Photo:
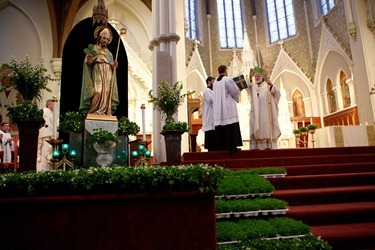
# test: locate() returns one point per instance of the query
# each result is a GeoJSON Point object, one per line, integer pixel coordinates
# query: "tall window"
{"type": "Point", "coordinates": [192, 19]}
{"type": "Point", "coordinates": [230, 23]}
{"type": "Point", "coordinates": [331, 96]}
{"type": "Point", "coordinates": [327, 5]}
{"type": "Point", "coordinates": [281, 23]}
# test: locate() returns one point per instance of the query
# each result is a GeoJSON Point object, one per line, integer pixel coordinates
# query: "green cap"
{"type": "Point", "coordinates": [257, 71]}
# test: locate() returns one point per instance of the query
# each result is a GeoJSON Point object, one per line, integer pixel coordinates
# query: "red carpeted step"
{"type": "Point", "coordinates": [277, 153]}
{"type": "Point", "coordinates": [330, 168]}
{"type": "Point", "coordinates": [311, 196]}
{"type": "Point", "coordinates": [324, 180]}
{"type": "Point", "coordinates": [348, 236]}
{"type": "Point", "coordinates": [235, 163]}
{"type": "Point", "coordinates": [340, 213]}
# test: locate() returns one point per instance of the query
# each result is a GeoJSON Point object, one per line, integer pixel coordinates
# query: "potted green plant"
{"type": "Point", "coordinates": [312, 128]}
{"type": "Point", "coordinates": [303, 130]}
{"type": "Point", "coordinates": [296, 132]}
{"type": "Point", "coordinates": [167, 100]}
{"type": "Point", "coordinates": [71, 126]}
{"type": "Point", "coordinates": [104, 142]}
{"type": "Point", "coordinates": [72, 122]}
{"type": "Point", "coordinates": [127, 127]}
{"type": "Point", "coordinates": [29, 81]}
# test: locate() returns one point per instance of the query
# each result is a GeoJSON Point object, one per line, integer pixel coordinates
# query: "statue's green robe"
{"type": "Point", "coordinates": [99, 94]}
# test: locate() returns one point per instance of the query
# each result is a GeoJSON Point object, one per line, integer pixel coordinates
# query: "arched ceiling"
{"type": "Point", "coordinates": [62, 15]}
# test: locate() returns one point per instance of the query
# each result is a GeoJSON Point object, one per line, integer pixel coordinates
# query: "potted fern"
{"type": "Point", "coordinates": [29, 81]}
{"type": "Point", "coordinates": [167, 100]}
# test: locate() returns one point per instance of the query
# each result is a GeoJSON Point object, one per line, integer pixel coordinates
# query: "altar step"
{"type": "Point", "coordinates": [246, 159]}
{"type": "Point", "coordinates": [330, 189]}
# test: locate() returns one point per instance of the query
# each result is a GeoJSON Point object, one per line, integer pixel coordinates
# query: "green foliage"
{"type": "Point", "coordinates": [111, 180]}
{"type": "Point", "coordinates": [28, 80]}
{"type": "Point", "coordinates": [247, 205]}
{"type": "Point", "coordinates": [271, 203]}
{"type": "Point", "coordinates": [168, 98]}
{"type": "Point", "coordinates": [101, 136]}
{"type": "Point", "coordinates": [260, 171]}
{"type": "Point", "coordinates": [308, 242]}
{"type": "Point", "coordinates": [258, 228]}
{"type": "Point", "coordinates": [287, 226]}
{"type": "Point", "coordinates": [228, 231]}
{"type": "Point", "coordinates": [25, 112]}
{"type": "Point", "coordinates": [296, 131]}
{"type": "Point", "coordinates": [244, 184]}
{"type": "Point", "coordinates": [312, 126]}
{"type": "Point", "coordinates": [303, 129]}
{"type": "Point", "coordinates": [71, 121]}
{"type": "Point", "coordinates": [171, 125]}
{"type": "Point", "coordinates": [126, 127]}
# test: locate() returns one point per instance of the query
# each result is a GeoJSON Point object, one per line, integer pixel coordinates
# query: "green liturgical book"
{"type": "Point", "coordinates": [241, 82]}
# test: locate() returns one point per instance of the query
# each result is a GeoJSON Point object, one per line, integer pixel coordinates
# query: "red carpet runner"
{"type": "Point", "coordinates": [330, 189]}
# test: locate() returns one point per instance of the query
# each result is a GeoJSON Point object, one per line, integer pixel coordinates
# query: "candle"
{"type": "Point", "coordinates": [73, 153]}
{"type": "Point", "coordinates": [310, 120]}
{"type": "Point", "coordinates": [303, 123]}
{"type": "Point", "coordinates": [143, 107]}
{"type": "Point", "coordinates": [65, 148]}
{"type": "Point", "coordinates": [54, 117]}
{"type": "Point", "coordinates": [135, 154]}
{"type": "Point", "coordinates": [55, 154]}
{"type": "Point", "coordinates": [141, 147]}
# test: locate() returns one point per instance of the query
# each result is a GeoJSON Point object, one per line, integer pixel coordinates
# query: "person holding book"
{"type": "Point", "coordinates": [207, 116]}
{"type": "Point", "coordinates": [264, 124]}
{"type": "Point", "coordinates": [225, 96]}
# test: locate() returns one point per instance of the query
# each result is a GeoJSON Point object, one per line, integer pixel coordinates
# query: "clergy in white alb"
{"type": "Point", "coordinates": [45, 133]}
{"type": "Point", "coordinates": [226, 121]}
{"type": "Point", "coordinates": [207, 116]}
{"type": "Point", "coordinates": [6, 143]}
{"type": "Point", "coordinates": [264, 125]}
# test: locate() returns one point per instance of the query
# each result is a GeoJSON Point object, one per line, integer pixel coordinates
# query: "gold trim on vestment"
{"type": "Point", "coordinates": [370, 129]}
{"type": "Point", "coordinates": [339, 138]}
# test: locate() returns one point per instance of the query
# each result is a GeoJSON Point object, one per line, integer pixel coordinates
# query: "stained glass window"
{"type": "Point", "coordinates": [192, 19]}
{"type": "Point", "coordinates": [327, 5]}
{"type": "Point", "coordinates": [281, 23]}
{"type": "Point", "coordinates": [230, 23]}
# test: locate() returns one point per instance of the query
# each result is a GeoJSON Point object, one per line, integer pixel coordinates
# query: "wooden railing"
{"type": "Point", "coordinates": [347, 116]}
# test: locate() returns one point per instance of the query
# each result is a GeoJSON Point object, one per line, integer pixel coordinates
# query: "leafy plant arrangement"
{"type": "Point", "coordinates": [111, 180]}
{"type": "Point", "coordinates": [287, 226]}
{"type": "Point", "coordinates": [258, 228]}
{"type": "Point", "coordinates": [312, 127]}
{"type": "Point", "coordinates": [303, 129]}
{"type": "Point", "coordinates": [245, 205]}
{"type": "Point", "coordinates": [225, 206]}
{"type": "Point", "coordinates": [171, 125]}
{"type": "Point", "coordinates": [25, 112]}
{"type": "Point", "coordinates": [71, 121]}
{"type": "Point", "coordinates": [244, 184]}
{"type": "Point", "coordinates": [101, 136]}
{"type": "Point", "coordinates": [296, 131]}
{"type": "Point", "coordinates": [260, 171]}
{"type": "Point", "coordinates": [168, 98]}
{"type": "Point", "coordinates": [27, 79]}
{"type": "Point", "coordinates": [126, 127]}
{"type": "Point", "coordinates": [306, 243]}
